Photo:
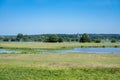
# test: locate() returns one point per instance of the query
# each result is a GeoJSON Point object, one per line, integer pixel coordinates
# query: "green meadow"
{"type": "Point", "coordinates": [67, 66]}
{"type": "Point", "coordinates": [52, 46]}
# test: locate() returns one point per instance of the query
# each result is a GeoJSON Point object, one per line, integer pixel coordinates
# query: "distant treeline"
{"type": "Point", "coordinates": [62, 38]}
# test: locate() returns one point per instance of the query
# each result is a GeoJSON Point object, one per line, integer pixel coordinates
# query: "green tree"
{"type": "Point", "coordinates": [60, 40]}
{"type": "Point", "coordinates": [97, 41]}
{"type": "Point", "coordinates": [85, 38]}
{"type": "Point", "coordinates": [72, 39]}
{"type": "Point", "coordinates": [53, 38]}
{"type": "Point", "coordinates": [113, 41]}
{"type": "Point", "coordinates": [26, 38]}
{"type": "Point", "coordinates": [68, 39]}
{"type": "Point", "coordinates": [1, 38]}
{"type": "Point", "coordinates": [77, 40]}
{"type": "Point", "coordinates": [19, 37]}
{"type": "Point", "coordinates": [6, 39]}
{"type": "Point", "coordinates": [13, 39]}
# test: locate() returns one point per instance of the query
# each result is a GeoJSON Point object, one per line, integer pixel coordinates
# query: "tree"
{"type": "Point", "coordinates": [68, 39]}
{"type": "Point", "coordinates": [19, 37]}
{"type": "Point", "coordinates": [113, 41]}
{"type": "Point", "coordinates": [97, 41]}
{"type": "Point", "coordinates": [6, 39]}
{"type": "Point", "coordinates": [73, 39]}
{"type": "Point", "coordinates": [13, 39]}
{"type": "Point", "coordinates": [85, 38]}
{"type": "Point", "coordinates": [25, 38]}
{"type": "Point", "coordinates": [1, 38]}
{"type": "Point", "coordinates": [77, 40]}
{"type": "Point", "coordinates": [60, 40]}
{"type": "Point", "coordinates": [53, 38]}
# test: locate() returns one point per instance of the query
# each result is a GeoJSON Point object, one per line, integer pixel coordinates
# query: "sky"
{"type": "Point", "coordinates": [59, 16]}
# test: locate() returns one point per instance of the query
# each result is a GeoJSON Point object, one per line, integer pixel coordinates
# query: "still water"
{"type": "Point", "coordinates": [7, 51]}
{"type": "Point", "coordinates": [82, 50]}
{"type": "Point", "coordinates": [92, 50]}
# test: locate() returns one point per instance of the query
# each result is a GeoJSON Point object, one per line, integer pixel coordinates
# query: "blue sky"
{"type": "Point", "coordinates": [59, 16]}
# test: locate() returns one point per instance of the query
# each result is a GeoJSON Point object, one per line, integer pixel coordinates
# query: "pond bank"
{"type": "Point", "coordinates": [108, 50]}
{"type": "Point", "coordinates": [52, 46]}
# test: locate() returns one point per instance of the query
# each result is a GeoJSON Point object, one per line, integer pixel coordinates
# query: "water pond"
{"type": "Point", "coordinates": [7, 51]}
{"type": "Point", "coordinates": [91, 50]}
{"type": "Point", "coordinates": [82, 50]}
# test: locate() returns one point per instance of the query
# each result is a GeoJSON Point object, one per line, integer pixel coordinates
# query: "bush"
{"type": "Point", "coordinates": [53, 38]}
{"type": "Point", "coordinates": [98, 41]}
{"type": "Point", "coordinates": [60, 40]}
{"type": "Point", "coordinates": [113, 41]}
{"type": "Point", "coordinates": [85, 38]}
{"type": "Point", "coordinates": [6, 39]}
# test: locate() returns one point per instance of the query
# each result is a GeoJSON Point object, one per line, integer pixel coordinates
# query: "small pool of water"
{"type": "Point", "coordinates": [81, 50]}
{"type": "Point", "coordinates": [7, 51]}
{"type": "Point", "coordinates": [92, 50]}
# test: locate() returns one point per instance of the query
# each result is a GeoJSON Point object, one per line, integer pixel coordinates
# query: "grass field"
{"type": "Point", "coordinates": [23, 73]}
{"type": "Point", "coordinates": [34, 45]}
{"type": "Point", "coordinates": [62, 60]}
{"type": "Point", "coordinates": [68, 66]}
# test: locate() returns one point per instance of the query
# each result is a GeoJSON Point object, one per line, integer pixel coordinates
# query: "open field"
{"type": "Point", "coordinates": [35, 45]}
{"type": "Point", "coordinates": [69, 66]}
{"type": "Point", "coordinates": [23, 73]}
{"type": "Point", "coordinates": [62, 60]}
{"type": "Point", "coordinates": [59, 39]}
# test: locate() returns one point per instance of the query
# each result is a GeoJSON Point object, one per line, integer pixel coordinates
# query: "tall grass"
{"type": "Point", "coordinates": [36, 45]}
{"type": "Point", "coordinates": [71, 66]}
{"type": "Point", "coordinates": [25, 73]}
{"type": "Point", "coordinates": [61, 60]}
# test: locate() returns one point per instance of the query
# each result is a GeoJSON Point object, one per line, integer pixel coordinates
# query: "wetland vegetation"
{"type": "Point", "coordinates": [72, 66]}
{"type": "Point", "coordinates": [28, 65]}
{"type": "Point", "coordinates": [32, 57]}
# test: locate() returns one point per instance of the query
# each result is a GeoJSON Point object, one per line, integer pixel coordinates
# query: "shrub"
{"type": "Point", "coordinates": [98, 41]}
{"type": "Point", "coordinates": [113, 41]}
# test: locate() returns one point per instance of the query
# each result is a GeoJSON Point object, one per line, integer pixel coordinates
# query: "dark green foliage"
{"type": "Point", "coordinates": [85, 38]}
{"type": "Point", "coordinates": [66, 37]}
{"type": "Point", "coordinates": [60, 40]}
{"type": "Point", "coordinates": [6, 39]}
{"type": "Point", "coordinates": [77, 40]}
{"type": "Point", "coordinates": [98, 41]}
{"type": "Point", "coordinates": [1, 38]}
{"type": "Point", "coordinates": [13, 39]}
{"type": "Point", "coordinates": [53, 38]}
{"type": "Point", "coordinates": [68, 40]}
{"type": "Point", "coordinates": [113, 41]}
{"type": "Point", "coordinates": [73, 39]}
{"type": "Point", "coordinates": [26, 38]}
{"type": "Point", "coordinates": [22, 73]}
{"type": "Point", "coordinates": [19, 37]}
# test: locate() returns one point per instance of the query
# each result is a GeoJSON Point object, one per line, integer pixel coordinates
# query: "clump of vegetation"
{"type": "Point", "coordinates": [72, 66]}
{"type": "Point", "coordinates": [113, 41]}
{"type": "Point", "coordinates": [103, 46]}
{"type": "Point", "coordinates": [51, 46]}
{"type": "Point", "coordinates": [85, 38]}
{"type": "Point", "coordinates": [60, 40]}
{"type": "Point", "coordinates": [6, 39]}
{"type": "Point", "coordinates": [53, 38]}
{"type": "Point", "coordinates": [66, 37]}
{"type": "Point", "coordinates": [98, 41]}
{"type": "Point", "coordinates": [23, 73]}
